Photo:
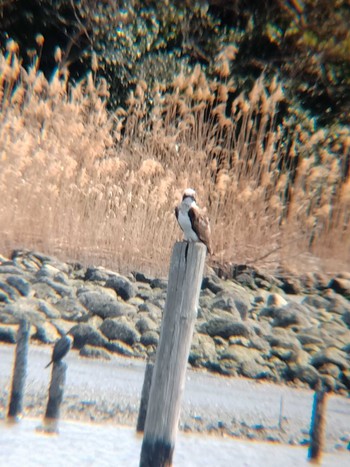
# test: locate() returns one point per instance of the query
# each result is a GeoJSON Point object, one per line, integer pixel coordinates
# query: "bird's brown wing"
{"type": "Point", "coordinates": [200, 224]}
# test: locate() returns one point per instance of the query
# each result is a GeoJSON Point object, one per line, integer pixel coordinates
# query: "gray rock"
{"type": "Point", "coordinates": [213, 283]}
{"type": "Point", "coordinates": [7, 334]}
{"type": "Point", "coordinates": [316, 301]}
{"type": "Point", "coordinates": [70, 309]}
{"type": "Point", "coordinates": [61, 289]}
{"type": "Point", "coordinates": [330, 355]}
{"type": "Point", "coordinates": [120, 348]}
{"type": "Point", "coordinates": [145, 324]}
{"type": "Point", "coordinates": [225, 328]}
{"type": "Point", "coordinates": [141, 277]}
{"type": "Point", "coordinates": [290, 315]}
{"type": "Point", "coordinates": [252, 369]}
{"type": "Point", "coordinates": [49, 311]}
{"type": "Point", "coordinates": [122, 286]}
{"type": "Point", "coordinates": [346, 317]}
{"type": "Point", "coordinates": [45, 292]}
{"type": "Point", "coordinates": [91, 351]}
{"type": "Point", "coordinates": [159, 284]}
{"type": "Point", "coordinates": [10, 268]}
{"type": "Point", "coordinates": [150, 338]}
{"type": "Point", "coordinates": [305, 373]}
{"type": "Point", "coordinates": [98, 274]}
{"type": "Point", "coordinates": [115, 329]}
{"type": "Point", "coordinates": [9, 291]}
{"type": "Point", "coordinates": [101, 304]}
{"type": "Point", "coordinates": [19, 283]}
{"type": "Point", "coordinates": [86, 334]}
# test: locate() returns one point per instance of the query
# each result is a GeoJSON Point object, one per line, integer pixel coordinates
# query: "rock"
{"type": "Point", "coordinates": [60, 289]}
{"type": "Point", "coordinates": [306, 339]}
{"type": "Point", "coordinates": [212, 283]}
{"type": "Point", "coordinates": [49, 311]}
{"type": "Point", "coordinates": [85, 334]}
{"type": "Point", "coordinates": [316, 301]}
{"type": "Point", "coordinates": [346, 317]}
{"type": "Point", "coordinates": [291, 285]}
{"type": "Point", "coordinates": [305, 373]}
{"type": "Point", "coordinates": [340, 286]}
{"type": "Point", "coordinates": [120, 348]}
{"type": "Point", "coordinates": [115, 329]}
{"type": "Point", "coordinates": [241, 354]}
{"type": "Point", "coordinates": [225, 328]}
{"type": "Point", "coordinates": [91, 351]}
{"type": "Point", "coordinates": [202, 350]}
{"type": "Point", "coordinates": [19, 283]}
{"type": "Point", "coordinates": [329, 369]}
{"type": "Point", "coordinates": [121, 286]}
{"type": "Point", "coordinates": [145, 324]}
{"type": "Point", "coordinates": [46, 333]}
{"type": "Point", "coordinates": [159, 284]}
{"type": "Point", "coordinates": [9, 291]}
{"type": "Point", "coordinates": [8, 334]}
{"type": "Point", "coordinates": [94, 274]}
{"type": "Point", "coordinates": [45, 292]}
{"type": "Point", "coordinates": [276, 300]}
{"type": "Point", "coordinates": [101, 304]}
{"type": "Point", "coordinates": [141, 277]}
{"type": "Point", "coordinates": [252, 369]}
{"type": "Point", "coordinates": [284, 339]}
{"type": "Point", "coordinates": [330, 355]}
{"type": "Point", "coordinates": [150, 338]}
{"type": "Point", "coordinates": [71, 310]}
{"type": "Point", "coordinates": [291, 314]}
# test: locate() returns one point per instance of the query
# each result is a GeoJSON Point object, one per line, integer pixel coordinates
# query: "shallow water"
{"type": "Point", "coordinates": [79, 444]}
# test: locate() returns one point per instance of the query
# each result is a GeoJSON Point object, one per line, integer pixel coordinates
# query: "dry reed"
{"type": "Point", "coordinates": [86, 185]}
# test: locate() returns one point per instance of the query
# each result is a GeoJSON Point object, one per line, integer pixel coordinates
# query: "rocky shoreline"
{"type": "Point", "coordinates": [275, 328]}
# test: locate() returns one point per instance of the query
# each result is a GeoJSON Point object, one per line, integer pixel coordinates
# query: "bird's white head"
{"type": "Point", "coordinates": [189, 193]}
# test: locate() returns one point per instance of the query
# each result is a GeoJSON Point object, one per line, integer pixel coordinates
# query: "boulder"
{"type": "Point", "coordinates": [224, 327]}
{"type": "Point", "coordinates": [115, 329]}
{"type": "Point", "coordinates": [20, 284]}
{"type": "Point", "coordinates": [122, 287]}
{"type": "Point", "coordinates": [91, 351]}
{"type": "Point", "coordinates": [101, 304]}
{"type": "Point", "coordinates": [330, 355]}
{"type": "Point", "coordinates": [86, 334]}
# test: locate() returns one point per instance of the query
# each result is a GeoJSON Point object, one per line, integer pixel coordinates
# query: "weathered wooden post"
{"type": "Point", "coordinates": [20, 371]}
{"type": "Point", "coordinates": [56, 391]}
{"type": "Point", "coordinates": [318, 426]}
{"type": "Point", "coordinates": [146, 387]}
{"type": "Point", "coordinates": [185, 278]}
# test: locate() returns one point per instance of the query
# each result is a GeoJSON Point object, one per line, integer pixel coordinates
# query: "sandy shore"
{"type": "Point", "coordinates": [99, 391]}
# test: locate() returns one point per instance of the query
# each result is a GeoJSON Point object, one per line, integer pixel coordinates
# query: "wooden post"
{"type": "Point", "coordinates": [145, 397]}
{"type": "Point", "coordinates": [20, 371]}
{"type": "Point", "coordinates": [56, 390]}
{"type": "Point", "coordinates": [318, 426]}
{"type": "Point", "coordinates": [185, 279]}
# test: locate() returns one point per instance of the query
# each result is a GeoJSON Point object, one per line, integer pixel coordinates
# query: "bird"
{"type": "Point", "coordinates": [61, 348]}
{"type": "Point", "coordinates": [192, 220]}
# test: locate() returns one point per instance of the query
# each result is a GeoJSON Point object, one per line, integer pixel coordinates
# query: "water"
{"type": "Point", "coordinates": [95, 445]}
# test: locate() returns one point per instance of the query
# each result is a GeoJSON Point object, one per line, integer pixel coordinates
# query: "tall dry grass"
{"type": "Point", "coordinates": [84, 184]}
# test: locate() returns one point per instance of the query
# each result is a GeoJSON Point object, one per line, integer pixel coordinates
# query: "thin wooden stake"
{"type": "Point", "coordinates": [145, 397]}
{"type": "Point", "coordinates": [56, 391]}
{"type": "Point", "coordinates": [20, 371]}
{"type": "Point", "coordinates": [318, 427]}
{"type": "Point", "coordinates": [185, 279]}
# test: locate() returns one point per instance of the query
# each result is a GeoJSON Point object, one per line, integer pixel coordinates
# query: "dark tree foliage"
{"type": "Point", "coordinates": [305, 42]}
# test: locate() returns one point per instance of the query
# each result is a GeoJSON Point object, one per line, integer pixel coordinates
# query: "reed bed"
{"type": "Point", "coordinates": [98, 187]}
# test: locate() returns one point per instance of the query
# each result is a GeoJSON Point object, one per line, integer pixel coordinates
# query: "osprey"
{"type": "Point", "coordinates": [193, 222]}
{"type": "Point", "coordinates": [61, 348]}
